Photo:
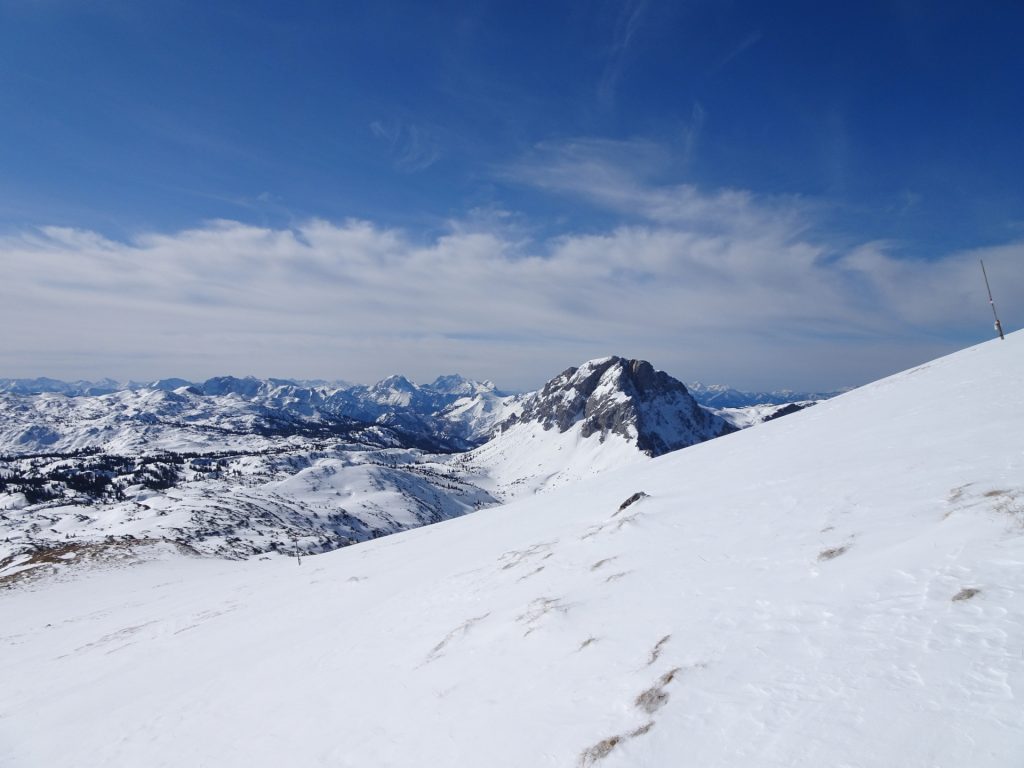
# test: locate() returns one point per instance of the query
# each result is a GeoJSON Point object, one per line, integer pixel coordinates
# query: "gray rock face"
{"type": "Point", "coordinates": [623, 397]}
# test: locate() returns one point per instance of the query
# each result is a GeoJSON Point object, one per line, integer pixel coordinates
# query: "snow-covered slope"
{"type": "Point", "coordinates": [844, 586]}
{"type": "Point", "coordinates": [746, 416]}
{"type": "Point", "coordinates": [607, 413]}
{"type": "Point", "coordinates": [474, 418]}
{"type": "Point", "coordinates": [240, 505]}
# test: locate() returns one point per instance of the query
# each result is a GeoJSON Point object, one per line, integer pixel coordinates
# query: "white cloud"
{"type": "Point", "coordinates": [619, 176]}
{"type": "Point", "coordinates": [725, 286]}
{"type": "Point", "coordinates": [754, 303]}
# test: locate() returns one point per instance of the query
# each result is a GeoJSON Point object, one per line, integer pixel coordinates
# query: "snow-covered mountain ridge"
{"type": "Point", "coordinates": [451, 413]}
{"type": "Point", "coordinates": [43, 414]}
{"type": "Point", "coordinates": [393, 391]}
{"type": "Point", "coordinates": [839, 587]}
{"type": "Point", "coordinates": [628, 398]}
{"type": "Point", "coordinates": [606, 413]}
{"type": "Point", "coordinates": [238, 467]}
{"type": "Point", "coordinates": [721, 396]}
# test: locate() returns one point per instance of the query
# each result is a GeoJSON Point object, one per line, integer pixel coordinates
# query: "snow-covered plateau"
{"type": "Point", "coordinates": [840, 587]}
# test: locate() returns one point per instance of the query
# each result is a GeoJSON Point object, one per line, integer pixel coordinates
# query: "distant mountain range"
{"type": "Point", "coordinates": [460, 412]}
{"type": "Point", "coordinates": [243, 466]}
{"type": "Point", "coordinates": [721, 396]}
{"type": "Point", "coordinates": [712, 395]}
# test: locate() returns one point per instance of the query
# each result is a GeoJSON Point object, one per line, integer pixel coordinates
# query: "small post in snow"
{"type": "Point", "coordinates": [999, 326]}
{"type": "Point", "coordinates": [295, 545]}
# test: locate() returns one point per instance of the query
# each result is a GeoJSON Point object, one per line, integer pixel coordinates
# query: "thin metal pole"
{"type": "Point", "coordinates": [999, 326]}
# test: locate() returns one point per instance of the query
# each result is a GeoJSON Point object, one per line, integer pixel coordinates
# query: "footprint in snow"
{"type": "Point", "coordinates": [647, 701]}
{"type": "Point", "coordinates": [462, 629]}
{"type": "Point", "coordinates": [657, 649]}
{"type": "Point", "coordinates": [515, 557]}
{"type": "Point", "coordinates": [538, 609]}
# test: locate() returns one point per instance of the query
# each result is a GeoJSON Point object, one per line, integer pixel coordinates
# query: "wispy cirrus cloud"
{"type": "Point", "coordinates": [626, 25]}
{"type": "Point", "coordinates": [692, 131]}
{"type": "Point", "coordinates": [412, 147]}
{"type": "Point", "coordinates": [737, 50]}
{"type": "Point", "coordinates": [618, 175]}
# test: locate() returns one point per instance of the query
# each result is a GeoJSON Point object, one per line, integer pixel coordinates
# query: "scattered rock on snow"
{"type": "Point", "coordinates": [966, 594]}
{"type": "Point", "coordinates": [632, 500]}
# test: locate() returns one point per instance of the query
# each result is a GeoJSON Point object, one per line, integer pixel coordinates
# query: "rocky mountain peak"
{"type": "Point", "coordinates": [394, 382]}
{"type": "Point", "coordinates": [457, 385]}
{"type": "Point", "coordinates": [626, 397]}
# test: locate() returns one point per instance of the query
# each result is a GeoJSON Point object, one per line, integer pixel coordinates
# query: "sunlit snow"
{"type": "Point", "coordinates": [844, 586]}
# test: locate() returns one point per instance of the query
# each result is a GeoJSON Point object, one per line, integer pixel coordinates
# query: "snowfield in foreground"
{"type": "Point", "coordinates": [842, 587]}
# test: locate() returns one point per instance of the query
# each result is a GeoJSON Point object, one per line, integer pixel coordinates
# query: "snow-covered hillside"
{"type": "Point", "coordinates": [844, 586]}
{"type": "Point", "coordinates": [746, 416]}
{"type": "Point", "coordinates": [606, 413]}
{"type": "Point", "coordinates": [474, 418]}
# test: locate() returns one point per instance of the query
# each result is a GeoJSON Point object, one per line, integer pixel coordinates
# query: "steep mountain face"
{"type": "Point", "coordinates": [755, 604]}
{"type": "Point", "coordinates": [628, 398]}
{"type": "Point", "coordinates": [605, 414]}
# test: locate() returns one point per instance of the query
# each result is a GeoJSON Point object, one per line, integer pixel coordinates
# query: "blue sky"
{"type": "Point", "coordinates": [831, 146]}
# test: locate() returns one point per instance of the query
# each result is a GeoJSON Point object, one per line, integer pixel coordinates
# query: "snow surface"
{"type": "Point", "coordinates": [746, 416]}
{"type": "Point", "coordinates": [798, 594]}
{"type": "Point", "coordinates": [527, 458]}
{"type": "Point", "coordinates": [315, 500]}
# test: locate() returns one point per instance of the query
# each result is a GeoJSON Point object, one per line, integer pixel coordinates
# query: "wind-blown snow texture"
{"type": "Point", "coordinates": [844, 586]}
